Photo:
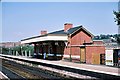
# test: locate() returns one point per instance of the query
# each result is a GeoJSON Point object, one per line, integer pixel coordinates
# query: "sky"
{"type": "Point", "coordinates": [22, 20]}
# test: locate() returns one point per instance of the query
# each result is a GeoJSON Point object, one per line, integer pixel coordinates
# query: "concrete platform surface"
{"type": "Point", "coordinates": [94, 68]}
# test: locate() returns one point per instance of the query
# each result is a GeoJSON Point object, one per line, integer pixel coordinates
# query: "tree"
{"type": "Point", "coordinates": [118, 39]}
{"type": "Point", "coordinates": [27, 48]}
{"type": "Point", "coordinates": [5, 50]}
{"type": "Point", "coordinates": [117, 19]}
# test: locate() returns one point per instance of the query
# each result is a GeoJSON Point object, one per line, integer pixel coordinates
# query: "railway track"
{"type": "Point", "coordinates": [9, 74]}
{"type": "Point", "coordinates": [29, 72]}
{"type": "Point", "coordinates": [39, 70]}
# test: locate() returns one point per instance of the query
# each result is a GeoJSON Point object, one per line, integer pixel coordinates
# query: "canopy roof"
{"type": "Point", "coordinates": [60, 35]}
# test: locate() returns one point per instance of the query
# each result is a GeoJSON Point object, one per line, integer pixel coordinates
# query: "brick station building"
{"type": "Point", "coordinates": [71, 43]}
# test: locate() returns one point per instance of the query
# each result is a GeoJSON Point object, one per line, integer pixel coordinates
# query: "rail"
{"type": "Point", "coordinates": [79, 71]}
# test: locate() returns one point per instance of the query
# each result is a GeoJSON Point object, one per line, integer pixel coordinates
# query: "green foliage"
{"type": "Point", "coordinates": [18, 49]}
{"type": "Point", "coordinates": [102, 37]}
{"type": "Point", "coordinates": [117, 19]}
{"type": "Point", "coordinates": [27, 48]}
{"type": "Point", "coordinates": [118, 38]}
{"type": "Point", "coordinates": [5, 50]}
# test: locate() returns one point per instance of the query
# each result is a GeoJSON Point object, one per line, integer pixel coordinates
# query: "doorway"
{"type": "Point", "coordinates": [82, 55]}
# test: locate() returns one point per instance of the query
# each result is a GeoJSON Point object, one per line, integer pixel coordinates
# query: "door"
{"type": "Point", "coordinates": [115, 57]}
{"type": "Point", "coordinates": [95, 58]}
{"type": "Point", "coordinates": [82, 55]}
{"type": "Point", "coordinates": [102, 59]}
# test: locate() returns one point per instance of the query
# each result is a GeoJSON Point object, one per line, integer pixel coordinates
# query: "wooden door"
{"type": "Point", "coordinates": [95, 58]}
{"type": "Point", "coordinates": [82, 55]}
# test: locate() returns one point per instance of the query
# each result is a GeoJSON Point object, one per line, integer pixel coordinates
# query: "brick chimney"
{"type": "Point", "coordinates": [67, 26]}
{"type": "Point", "coordinates": [43, 32]}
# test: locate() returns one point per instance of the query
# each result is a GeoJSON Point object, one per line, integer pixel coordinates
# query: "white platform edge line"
{"type": "Point", "coordinates": [47, 62]}
{"type": "Point", "coordinates": [4, 75]}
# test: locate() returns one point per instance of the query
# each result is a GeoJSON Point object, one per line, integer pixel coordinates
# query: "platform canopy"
{"type": "Point", "coordinates": [45, 38]}
{"type": "Point", "coordinates": [60, 35]}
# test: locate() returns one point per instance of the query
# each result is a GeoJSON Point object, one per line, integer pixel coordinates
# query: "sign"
{"type": "Point", "coordinates": [109, 57]}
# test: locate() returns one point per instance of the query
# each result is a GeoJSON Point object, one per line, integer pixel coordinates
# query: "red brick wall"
{"type": "Point", "coordinates": [75, 51]}
{"type": "Point", "coordinates": [66, 51]}
{"type": "Point", "coordinates": [80, 37]}
{"type": "Point", "coordinates": [77, 39]}
{"type": "Point", "coordinates": [95, 50]}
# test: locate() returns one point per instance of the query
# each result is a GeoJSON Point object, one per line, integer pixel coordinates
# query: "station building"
{"type": "Point", "coordinates": [72, 43]}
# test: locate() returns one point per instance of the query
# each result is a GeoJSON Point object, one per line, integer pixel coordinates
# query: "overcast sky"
{"type": "Point", "coordinates": [21, 20]}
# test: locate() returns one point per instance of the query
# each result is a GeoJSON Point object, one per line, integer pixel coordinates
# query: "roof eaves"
{"type": "Point", "coordinates": [81, 27]}
{"type": "Point", "coordinates": [88, 32]}
{"type": "Point", "coordinates": [52, 33]}
{"type": "Point", "coordinates": [34, 37]}
{"type": "Point", "coordinates": [58, 32]}
{"type": "Point", "coordinates": [71, 30]}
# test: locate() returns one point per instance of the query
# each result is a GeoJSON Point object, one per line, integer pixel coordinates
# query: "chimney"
{"type": "Point", "coordinates": [67, 26]}
{"type": "Point", "coordinates": [43, 32]}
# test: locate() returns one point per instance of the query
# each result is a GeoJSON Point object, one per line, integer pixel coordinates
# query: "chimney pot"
{"type": "Point", "coordinates": [67, 26]}
{"type": "Point", "coordinates": [43, 32]}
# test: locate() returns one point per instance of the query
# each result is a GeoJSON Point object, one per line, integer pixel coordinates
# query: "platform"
{"type": "Point", "coordinates": [2, 76]}
{"type": "Point", "coordinates": [89, 67]}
